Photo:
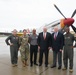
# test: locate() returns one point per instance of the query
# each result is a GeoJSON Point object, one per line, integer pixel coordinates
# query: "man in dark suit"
{"type": "Point", "coordinates": [44, 44]}
{"type": "Point", "coordinates": [57, 46]}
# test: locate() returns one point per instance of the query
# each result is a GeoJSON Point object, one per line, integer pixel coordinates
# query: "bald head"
{"type": "Point", "coordinates": [56, 29]}
{"type": "Point", "coordinates": [44, 29]}
{"type": "Point", "coordinates": [34, 31]}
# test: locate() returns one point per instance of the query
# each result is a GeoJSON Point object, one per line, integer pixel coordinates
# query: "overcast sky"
{"type": "Point", "coordinates": [21, 14]}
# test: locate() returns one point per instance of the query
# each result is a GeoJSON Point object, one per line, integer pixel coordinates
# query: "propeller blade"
{"type": "Point", "coordinates": [59, 11]}
{"type": "Point", "coordinates": [73, 13]}
{"type": "Point", "coordinates": [74, 28]}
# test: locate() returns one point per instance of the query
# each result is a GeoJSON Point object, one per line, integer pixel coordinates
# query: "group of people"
{"type": "Point", "coordinates": [42, 43]}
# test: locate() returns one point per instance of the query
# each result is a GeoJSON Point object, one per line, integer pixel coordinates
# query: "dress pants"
{"type": "Point", "coordinates": [55, 54]}
{"type": "Point", "coordinates": [33, 51]}
{"type": "Point", "coordinates": [41, 56]}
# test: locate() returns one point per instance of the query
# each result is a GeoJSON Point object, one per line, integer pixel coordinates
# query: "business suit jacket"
{"type": "Point", "coordinates": [44, 43]}
{"type": "Point", "coordinates": [57, 43]}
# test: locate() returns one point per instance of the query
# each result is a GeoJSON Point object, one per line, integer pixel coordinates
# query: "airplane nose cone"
{"type": "Point", "coordinates": [68, 21]}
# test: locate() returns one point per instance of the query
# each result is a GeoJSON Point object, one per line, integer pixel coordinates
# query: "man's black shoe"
{"type": "Point", "coordinates": [40, 64]}
{"type": "Point", "coordinates": [59, 67]}
{"type": "Point", "coordinates": [46, 65]}
{"type": "Point", "coordinates": [31, 65]}
{"type": "Point", "coordinates": [35, 64]}
{"type": "Point", "coordinates": [53, 66]}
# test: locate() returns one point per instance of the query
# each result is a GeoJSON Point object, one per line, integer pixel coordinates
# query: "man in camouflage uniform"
{"type": "Point", "coordinates": [14, 46]}
{"type": "Point", "coordinates": [68, 50]}
{"type": "Point", "coordinates": [24, 47]}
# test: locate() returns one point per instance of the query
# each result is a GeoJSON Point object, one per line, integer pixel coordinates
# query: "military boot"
{"type": "Point", "coordinates": [23, 63]}
{"type": "Point", "coordinates": [26, 63]}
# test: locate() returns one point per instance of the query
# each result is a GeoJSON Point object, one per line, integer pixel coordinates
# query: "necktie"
{"type": "Point", "coordinates": [55, 36]}
{"type": "Point", "coordinates": [44, 35]}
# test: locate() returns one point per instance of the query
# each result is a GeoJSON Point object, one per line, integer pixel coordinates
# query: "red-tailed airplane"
{"type": "Point", "coordinates": [63, 23]}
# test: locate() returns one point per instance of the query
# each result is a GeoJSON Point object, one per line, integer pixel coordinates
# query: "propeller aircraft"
{"type": "Point", "coordinates": [63, 23]}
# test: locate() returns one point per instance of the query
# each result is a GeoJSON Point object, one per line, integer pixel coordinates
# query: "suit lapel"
{"type": "Point", "coordinates": [46, 34]}
{"type": "Point", "coordinates": [42, 35]}
{"type": "Point", "coordinates": [53, 35]}
{"type": "Point", "coordinates": [57, 35]}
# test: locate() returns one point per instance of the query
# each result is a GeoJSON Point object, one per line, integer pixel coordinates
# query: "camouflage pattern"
{"type": "Point", "coordinates": [24, 47]}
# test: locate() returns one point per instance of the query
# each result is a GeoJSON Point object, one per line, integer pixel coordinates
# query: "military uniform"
{"type": "Point", "coordinates": [24, 48]}
{"type": "Point", "coordinates": [13, 48]}
{"type": "Point", "coordinates": [68, 50]}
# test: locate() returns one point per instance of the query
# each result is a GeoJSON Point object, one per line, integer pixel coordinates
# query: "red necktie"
{"type": "Point", "coordinates": [44, 35]}
{"type": "Point", "coordinates": [55, 36]}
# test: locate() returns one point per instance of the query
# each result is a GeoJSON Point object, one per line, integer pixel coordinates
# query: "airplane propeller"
{"type": "Point", "coordinates": [73, 13]}
{"type": "Point", "coordinates": [59, 11]}
{"type": "Point", "coordinates": [73, 27]}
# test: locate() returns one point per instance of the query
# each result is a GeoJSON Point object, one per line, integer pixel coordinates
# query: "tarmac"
{"type": "Point", "coordinates": [7, 69]}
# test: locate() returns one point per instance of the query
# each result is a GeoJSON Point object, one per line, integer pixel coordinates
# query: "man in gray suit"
{"type": "Point", "coordinates": [57, 46]}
